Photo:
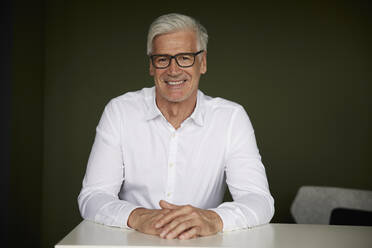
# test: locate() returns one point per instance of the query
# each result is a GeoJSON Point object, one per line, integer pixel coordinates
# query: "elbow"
{"type": "Point", "coordinates": [271, 208]}
{"type": "Point", "coordinates": [267, 210]}
{"type": "Point", "coordinates": [82, 204]}
{"type": "Point", "coordinates": [263, 209]}
{"type": "Point", "coordinates": [259, 209]}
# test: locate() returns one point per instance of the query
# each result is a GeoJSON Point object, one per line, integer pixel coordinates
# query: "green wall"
{"type": "Point", "coordinates": [301, 71]}
{"type": "Point", "coordinates": [26, 169]}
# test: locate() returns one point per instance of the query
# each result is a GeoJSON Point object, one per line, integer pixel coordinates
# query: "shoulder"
{"type": "Point", "coordinates": [132, 101]}
{"type": "Point", "coordinates": [224, 113]}
{"type": "Point", "coordinates": [130, 106]}
{"type": "Point", "coordinates": [133, 97]}
{"type": "Point", "coordinates": [221, 105]}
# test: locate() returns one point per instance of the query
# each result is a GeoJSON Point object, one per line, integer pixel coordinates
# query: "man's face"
{"type": "Point", "coordinates": [174, 83]}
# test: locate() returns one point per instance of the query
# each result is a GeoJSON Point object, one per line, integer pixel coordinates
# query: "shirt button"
{"type": "Point", "coordinates": [173, 135]}
{"type": "Point", "coordinates": [171, 165]}
{"type": "Point", "coordinates": [169, 194]}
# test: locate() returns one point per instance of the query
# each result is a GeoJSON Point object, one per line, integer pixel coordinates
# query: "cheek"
{"type": "Point", "coordinates": [160, 75]}
{"type": "Point", "coordinates": [151, 70]}
{"type": "Point", "coordinates": [194, 74]}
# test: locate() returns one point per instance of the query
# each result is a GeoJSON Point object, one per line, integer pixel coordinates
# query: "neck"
{"type": "Point", "coordinates": [176, 112]}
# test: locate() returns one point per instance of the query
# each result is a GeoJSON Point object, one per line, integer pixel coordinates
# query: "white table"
{"type": "Point", "coordinates": [88, 235]}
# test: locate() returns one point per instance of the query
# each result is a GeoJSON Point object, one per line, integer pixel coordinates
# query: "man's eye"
{"type": "Point", "coordinates": [185, 58]}
{"type": "Point", "coordinates": [162, 59]}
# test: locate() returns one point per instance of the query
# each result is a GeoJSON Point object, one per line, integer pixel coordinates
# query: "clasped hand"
{"type": "Point", "coordinates": [173, 221]}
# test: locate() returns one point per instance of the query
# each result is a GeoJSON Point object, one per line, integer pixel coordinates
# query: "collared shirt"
{"type": "Point", "coordinates": [138, 158]}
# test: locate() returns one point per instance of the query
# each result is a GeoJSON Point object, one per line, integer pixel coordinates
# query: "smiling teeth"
{"type": "Point", "coordinates": [175, 83]}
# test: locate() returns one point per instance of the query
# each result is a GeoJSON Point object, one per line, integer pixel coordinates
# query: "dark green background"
{"type": "Point", "coordinates": [301, 70]}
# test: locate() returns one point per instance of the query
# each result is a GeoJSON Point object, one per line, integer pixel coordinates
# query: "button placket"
{"type": "Point", "coordinates": [171, 165]}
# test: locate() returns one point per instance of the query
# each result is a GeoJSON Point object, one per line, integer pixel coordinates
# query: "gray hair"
{"type": "Point", "coordinates": [174, 22]}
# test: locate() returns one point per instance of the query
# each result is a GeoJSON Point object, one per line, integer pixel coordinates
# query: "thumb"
{"type": "Point", "coordinates": [164, 204]}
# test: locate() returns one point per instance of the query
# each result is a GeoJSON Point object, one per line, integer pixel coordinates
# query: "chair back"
{"type": "Point", "coordinates": [314, 204]}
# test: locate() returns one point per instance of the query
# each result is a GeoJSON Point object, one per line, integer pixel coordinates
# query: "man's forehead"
{"type": "Point", "coordinates": [178, 41]}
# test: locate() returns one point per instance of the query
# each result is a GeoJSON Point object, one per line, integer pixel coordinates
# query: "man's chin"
{"type": "Point", "coordinates": [175, 96]}
{"type": "Point", "coordinates": [175, 99]}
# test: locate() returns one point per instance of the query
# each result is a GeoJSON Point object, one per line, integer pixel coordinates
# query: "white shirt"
{"type": "Point", "coordinates": [138, 159]}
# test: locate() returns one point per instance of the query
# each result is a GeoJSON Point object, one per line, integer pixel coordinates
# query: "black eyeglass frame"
{"type": "Point", "coordinates": [174, 57]}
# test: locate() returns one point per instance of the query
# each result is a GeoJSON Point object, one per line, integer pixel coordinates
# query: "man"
{"type": "Point", "coordinates": [162, 156]}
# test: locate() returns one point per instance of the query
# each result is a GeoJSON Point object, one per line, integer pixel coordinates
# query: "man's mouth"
{"type": "Point", "coordinates": [175, 82]}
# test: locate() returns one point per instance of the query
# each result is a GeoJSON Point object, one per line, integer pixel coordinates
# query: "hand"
{"type": "Point", "coordinates": [186, 222]}
{"type": "Point", "coordinates": [143, 220]}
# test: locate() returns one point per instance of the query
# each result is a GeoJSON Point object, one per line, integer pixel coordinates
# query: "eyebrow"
{"type": "Point", "coordinates": [166, 54]}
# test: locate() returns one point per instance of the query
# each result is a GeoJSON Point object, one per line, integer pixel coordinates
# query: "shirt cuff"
{"type": "Point", "coordinates": [228, 223]}
{"type": "Point", "coordinates": [233, 218]}
{"type": "Point", "coordinates": [125, 213]}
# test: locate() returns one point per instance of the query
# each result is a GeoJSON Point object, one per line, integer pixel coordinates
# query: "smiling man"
{"type": "Point", "coordinates": [177, 77]}
{"type": "Point", "coordinates": [162, 156]}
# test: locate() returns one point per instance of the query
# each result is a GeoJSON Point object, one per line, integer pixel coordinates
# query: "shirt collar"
{"type": "Point", "coordinates": [199, 112]}
{"type": "Point", "coordinates": [152, 110]}
{"type": "Point", "coordinates": [197, 115]}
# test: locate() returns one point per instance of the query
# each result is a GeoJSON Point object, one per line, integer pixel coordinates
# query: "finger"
{"type": "Point", "coordinates": [173, 224]}
{"type": "Point", "coordinates": [158, 215]}
{"type": "Point", "coordinates": [164, 211]}
{"type": "Point", "coordinates": [164, 204]}
{"type": "Point", "coordinates": [174, 214]}
{"type": "Point", "coordinates": [182, 227]}
{"type": "Point", "coordinates": [190, 234]}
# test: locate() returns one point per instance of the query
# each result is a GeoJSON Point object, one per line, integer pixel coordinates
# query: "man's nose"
{"type": "Point", "coordinates": [173, 67]}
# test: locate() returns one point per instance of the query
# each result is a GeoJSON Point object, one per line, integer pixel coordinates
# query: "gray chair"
{"type": "Point", "coordinates": [314, 204]}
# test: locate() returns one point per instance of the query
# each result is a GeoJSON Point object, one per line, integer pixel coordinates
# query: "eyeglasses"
{"type": "Point", "coordinates": [162, 61]}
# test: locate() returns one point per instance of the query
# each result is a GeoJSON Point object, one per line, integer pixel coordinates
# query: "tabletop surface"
{"type": "Point", "coordinates": [88, 235]}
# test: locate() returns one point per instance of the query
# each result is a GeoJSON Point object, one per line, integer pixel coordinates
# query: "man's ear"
{"type": "Point", "coordinates": [203, 66]}
{"type": "Point", "coordinates": [151, 69]}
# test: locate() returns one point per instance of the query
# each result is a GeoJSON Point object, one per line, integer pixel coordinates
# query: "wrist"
{"type": "Point", "coordinates": [217, 221]}
{"type": "Point", "coordinates": [133, 217]}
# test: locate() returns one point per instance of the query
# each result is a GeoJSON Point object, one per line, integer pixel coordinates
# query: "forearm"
{"type": "Point", "coordinates": [104, 208]}
{"type": "Point", "coordinates": [247, 211]}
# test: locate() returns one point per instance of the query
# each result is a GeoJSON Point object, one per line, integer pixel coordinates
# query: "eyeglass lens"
{"type": "Point", "coordinates": [184, 60]}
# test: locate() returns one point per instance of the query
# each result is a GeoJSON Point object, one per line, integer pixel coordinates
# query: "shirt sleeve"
{"type": "Point", "coordinates": [246, 178]}
{"type": "Point", "coordinates": [98, 199]}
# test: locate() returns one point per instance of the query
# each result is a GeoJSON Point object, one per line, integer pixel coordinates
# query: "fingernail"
{"type": "Point", "coordinates": [162, 234]}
